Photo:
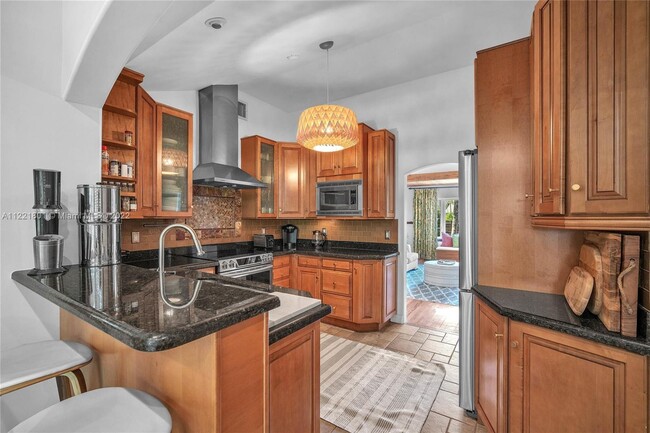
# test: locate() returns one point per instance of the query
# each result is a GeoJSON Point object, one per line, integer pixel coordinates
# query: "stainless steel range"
{"type": "Point", "coordinates": [251, 267]}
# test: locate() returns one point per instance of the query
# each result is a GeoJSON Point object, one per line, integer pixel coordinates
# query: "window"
{"type": "Point", "coordinates": [448, 215]}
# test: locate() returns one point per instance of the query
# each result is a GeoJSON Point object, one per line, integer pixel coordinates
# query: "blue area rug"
{"type": "Point", "coordinates": [418, 289]}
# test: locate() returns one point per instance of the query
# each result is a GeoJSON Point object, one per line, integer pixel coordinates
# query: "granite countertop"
{"type": "Point", "coordinates": [124, 301]}
{"type": "Point", "coordinates": [285, 328]}
{"type": "Point", "coordinates": [552, 312]}
{"type": "Point", "coordinates": [341, 253]}
{"type": "Point", "coordinates": [173, 263]}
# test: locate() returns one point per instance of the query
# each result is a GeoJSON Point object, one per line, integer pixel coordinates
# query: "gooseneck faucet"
{"type": "Point", "coordinates": [161, 262]}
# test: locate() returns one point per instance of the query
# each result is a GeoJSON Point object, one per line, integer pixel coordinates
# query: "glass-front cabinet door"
{"type": "Point", "coordinates": [267, 175]}
{"type": "Point", "coordinates": [259, 158]}
{"type": "Point", "coordinates": [175, 141]}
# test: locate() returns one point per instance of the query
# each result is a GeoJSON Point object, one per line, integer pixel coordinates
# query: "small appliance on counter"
{"type": "Point", "coordinates": [47, 201]}
{"type": "Point", "coordinates": [100, 225]}
{"type": "Point", "coordinates": [318, 238]}
{"type": "Point", "coordinates": [263, 241]}
{"type": "Point", "coordinates": [289, 237]}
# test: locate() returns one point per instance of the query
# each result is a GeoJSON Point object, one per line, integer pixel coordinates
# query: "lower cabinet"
{"type": "Point", "coordinates": [362, 293]}
{"type": "Point", "coordinates": [532, 379]}
{"type": "Point", "coordinates": [282, 271]}
{"type": "Point", "coordinates": [294, 382]}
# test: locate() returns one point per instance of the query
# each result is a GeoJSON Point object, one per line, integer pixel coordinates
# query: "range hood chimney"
{"type": "Point", "coordinates": [219, 140]}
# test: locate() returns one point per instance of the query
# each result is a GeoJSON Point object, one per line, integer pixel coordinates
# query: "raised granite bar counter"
{"type": "Point", "coordinates": [552, 312]}
{"type": "Point", "coordinates": [124, 301]}
{"type": "Point", "coordinates": [344, 250]}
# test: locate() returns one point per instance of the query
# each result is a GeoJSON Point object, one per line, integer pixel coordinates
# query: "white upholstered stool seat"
{"type": "Point", "coordinates": [441, 273]}
{"type": "Point", "coordinates": [32, 363]}
{"type": "Point", "coordinates": [104, 410]}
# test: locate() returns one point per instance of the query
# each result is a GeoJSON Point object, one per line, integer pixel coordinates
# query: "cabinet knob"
{"type": "Point", "coordinates": [514, 344]}
{"type": "Point", "coordinates": [333, 308]}
{"type": "Point", "coordinates": [553, 189]}
{"type": "Point", "coordinates": [498, 335]}
{"type": "Point", "coordinates": [528, 195]}
{"type": "Point", "coordinates": [280, 209]}
{"type": "Point", "coordinates": [576, 187]}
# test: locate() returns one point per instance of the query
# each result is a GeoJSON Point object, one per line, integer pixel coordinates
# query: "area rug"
{"type": "Point", "coordinates": [368, 389]}
{"type": "Point", "coordinates": [417, 289]}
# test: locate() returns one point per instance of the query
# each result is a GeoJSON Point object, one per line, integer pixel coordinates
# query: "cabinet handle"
{"type": "Point", "coordinates": [576, 187]}
{"type": "Point", "coordinates": [334, 284]}
{"type": "Point", "coordinates": [553, 189]}
{"type": "Point", "coordinates": [514, 344]}
{"type": "Point", "coordinates": [528, 195]}
{"type": "Point", "coordinates": [498, 335]}
{"type": "Point", "coordinates": [333, 308]}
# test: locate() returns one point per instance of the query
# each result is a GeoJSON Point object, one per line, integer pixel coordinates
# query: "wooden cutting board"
{"type": "Point", "coordinates": [609, 245]}
{"type": "Point", "coordinates": [577, 289]}
{"type": "Point", "coordinates": [591, 261]}
{"type": "Point", "coordinates": [631, 250]}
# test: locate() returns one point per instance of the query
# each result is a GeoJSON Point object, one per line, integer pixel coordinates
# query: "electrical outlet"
{"type": "Point", "coordinates": [387, 234]}
{"type": "Point", "coordinates": [135, 237]}
{"type": "Point", "coordinates": [324, 231]}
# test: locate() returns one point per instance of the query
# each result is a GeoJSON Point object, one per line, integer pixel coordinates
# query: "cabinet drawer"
{"type": "Point", "coordinates": [281, 272]}
{"type": "Point", "coordinates": [337, 282]}
{"type": "Point", "coordinates": [310, 262]}
{"type": "Point", "coordinates": [341, 306]}
{"type": "Point", "coordinates": [279, 262]}
{"type": "Point", "coordinates": [337, 265]}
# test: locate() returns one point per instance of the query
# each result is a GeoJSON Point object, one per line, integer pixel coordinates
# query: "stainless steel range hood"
{"type": "Point", "coordinates": [219, 140]}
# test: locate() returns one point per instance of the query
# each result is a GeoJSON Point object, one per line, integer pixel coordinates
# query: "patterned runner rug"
{"type": "Point", "coordinates": [368, 389]}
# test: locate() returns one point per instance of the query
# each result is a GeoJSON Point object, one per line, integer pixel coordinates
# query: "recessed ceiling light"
{"type": "Point", "coordinates": [293, 56]}
{"type": "Point", "coordinates": [216, 22]}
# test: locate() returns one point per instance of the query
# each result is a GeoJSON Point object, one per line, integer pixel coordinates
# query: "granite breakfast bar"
{"type": "Point", "coordinates": [207, 362]}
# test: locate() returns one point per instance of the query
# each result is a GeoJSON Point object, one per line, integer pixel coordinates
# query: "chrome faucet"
{"type": "Point", "coordinates": [161, 261]}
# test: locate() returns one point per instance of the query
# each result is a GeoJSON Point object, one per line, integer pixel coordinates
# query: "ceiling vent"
{"type": "Point", "coordinates": [216, 22]}
{"type": "Point", "coordinates": [242, 110]}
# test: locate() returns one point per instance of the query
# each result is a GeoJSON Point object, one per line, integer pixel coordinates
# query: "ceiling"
{"type": "Point", "coordinates": [376, 45]}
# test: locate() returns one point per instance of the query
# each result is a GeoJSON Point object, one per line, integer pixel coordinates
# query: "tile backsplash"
{"type": "Point", "coordinates": [216, 217]}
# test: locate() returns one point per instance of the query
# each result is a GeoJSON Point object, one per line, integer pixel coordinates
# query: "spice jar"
{"type": "Point", "coordinates": [115, 167]}
{"type": "Point", "coordinates": [126, 204]}
{"type": "Point", "coordinates": [133, 204]}
{"type": "Point", "coordinates": [105, 161]}
{"type": "Point", "coordinates": [124, 170]}
{"type": "Point", "coordinates": [129, 170]}
{"type": "Point", "coordinates": [128, 137]}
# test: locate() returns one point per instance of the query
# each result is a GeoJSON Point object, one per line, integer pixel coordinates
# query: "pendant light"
{"type": "Point", "coordinates": [327, 128]}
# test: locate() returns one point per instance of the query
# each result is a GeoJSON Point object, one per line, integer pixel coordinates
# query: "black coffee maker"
{"type": "Point", "coordinates": [289, 237]}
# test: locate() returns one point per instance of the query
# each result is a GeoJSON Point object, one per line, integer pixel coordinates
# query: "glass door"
{"type": "Point", "coordinates": [175, 159]}
{"type": "Point", "coordinates": [267, 175]}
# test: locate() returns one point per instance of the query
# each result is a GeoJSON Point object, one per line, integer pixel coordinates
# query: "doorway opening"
{"type": "Point", "coordinates": [432, 250]}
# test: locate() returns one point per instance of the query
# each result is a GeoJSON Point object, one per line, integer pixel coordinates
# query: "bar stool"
{"type": "Point", "coordinates": [105, 410]}
{"type": "Point", "coordinates": [33, 363]}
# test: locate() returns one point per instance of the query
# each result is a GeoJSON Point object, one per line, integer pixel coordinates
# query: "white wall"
{"type": "Point", "coordinates": [432, 119]}
{"type": "Point", "coordinates": [263, 119]}
{"type": "Point", "coordinates": [39, 130]}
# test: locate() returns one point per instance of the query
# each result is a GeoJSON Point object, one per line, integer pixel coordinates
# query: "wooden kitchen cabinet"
{"type": "Point", "coordinates": [309, 192]}
{"type": "Point", "coordinates": [282, 271]}
{"type": "Point", "coordinates": [491, 372]}
{"type": "Point", "coordinates": [563, 383]}
{"type": "Point", "coordinates": [368, 283]}
{"type": "Point", "coordinates": [590, 70]}
{"type": "Point", "coordinates": [533, 379]}
{"type": "Point", "coordinates": [308, 279]}
{"type": "Point", "coordinates": [389, 304]}
{"type": "Point", "coordinates": [294, 376]}
{"type": "Point", "coordinates": [146, 165]}
{"type": "Point", "coordinates": [379, 182]}
{"type": "Point", "coordinates": [347, 161]}
{"type": "Point", "coordinates": [174, 143]}
{"type": "Point", "coordinates": [259, 158]}
{"type": "Point", "coordinates": [291, 176]}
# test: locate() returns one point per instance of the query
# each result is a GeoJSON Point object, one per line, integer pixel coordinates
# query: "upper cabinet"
{"type": "Point", "coordinates": [156, 141]}
{"type": "Point", "coordinates": [291, 180]}
{"type": "Point", "coordinates": [347, 161]}
{"type": "Point", "coordinates": [379, 182]}
{"type": "Point", "coordinates": [174, 159]}
{"type": "Point", "coordinates": [259, 158]}
{"type": "Point", "coordinates": [590, 114]}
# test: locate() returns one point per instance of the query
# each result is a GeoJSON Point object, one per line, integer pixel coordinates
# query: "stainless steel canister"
{"type": "Point", "coordinates": [99, 203]}
{"type": "Point", "coordinates": [100, 225]}
{"type": "Point", "coordinates": [48, 252]}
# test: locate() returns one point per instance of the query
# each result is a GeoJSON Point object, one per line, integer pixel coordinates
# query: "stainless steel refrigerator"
{"type": "Point", "coordinates": [467, 188]}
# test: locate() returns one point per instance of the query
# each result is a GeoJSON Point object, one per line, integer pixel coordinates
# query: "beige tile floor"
{"type": "Point", "coordinates": [429, 345]}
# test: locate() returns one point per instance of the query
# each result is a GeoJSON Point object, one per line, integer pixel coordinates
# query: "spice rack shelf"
{"type": "Point", "coordinates": [117, 143]}
{"type": "Point", "coordinates": [119, 178]}
{"type": "Point", "coordinates": [127, 194]}
{"type": "Point", "coordinates": [120, 110]}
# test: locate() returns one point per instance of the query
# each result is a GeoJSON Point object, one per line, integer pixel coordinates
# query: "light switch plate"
{"type": "Point", "coordinates": [387, 234]}
{"type": "Point", "coordinates": [135, 237]}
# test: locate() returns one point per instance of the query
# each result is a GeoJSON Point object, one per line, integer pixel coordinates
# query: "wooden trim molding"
{"type": "Point", "coordinates": [431, 179]}
{"type": "Point", "coordinates": [593, 223]}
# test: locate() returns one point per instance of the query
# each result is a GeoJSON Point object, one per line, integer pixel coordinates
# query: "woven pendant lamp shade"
{"type": "Point", "coordinates": [327, 128]}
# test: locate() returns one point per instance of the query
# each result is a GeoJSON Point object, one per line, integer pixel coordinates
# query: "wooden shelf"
{"type": "Point", "coordinates": [120, 110]}
{"type": "Point", "coordinates": [119, 178]}
{"type": "Point", "coordinates": [117, 143]}
{"type": "Point", "coordinates": [127, 193]}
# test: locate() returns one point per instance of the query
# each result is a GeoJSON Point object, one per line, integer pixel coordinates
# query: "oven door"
{"type": "Point", "coordinates": [259, 274]}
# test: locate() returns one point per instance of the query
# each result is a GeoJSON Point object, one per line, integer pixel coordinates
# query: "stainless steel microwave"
{"type": "Point", "coordinates": [341, 198]}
